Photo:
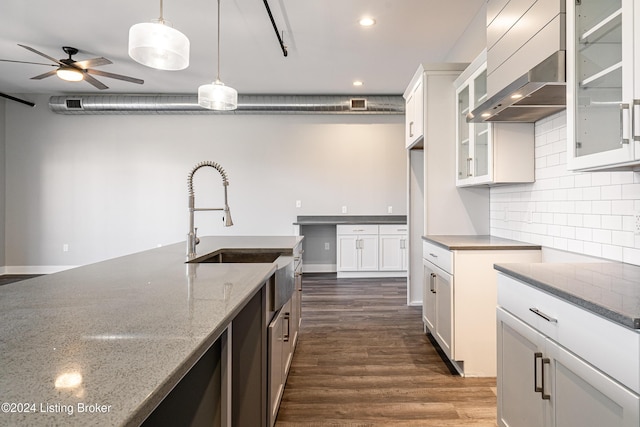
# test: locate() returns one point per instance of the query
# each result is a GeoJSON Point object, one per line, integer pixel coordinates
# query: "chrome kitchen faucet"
{"type": "Point", "coordinates": [192, 237]}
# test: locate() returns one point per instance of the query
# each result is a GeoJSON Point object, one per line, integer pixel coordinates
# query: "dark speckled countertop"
{"type": "Point", "coordinates": [481, 242]}
{"type": "Point", "coordinates": [611, 290]}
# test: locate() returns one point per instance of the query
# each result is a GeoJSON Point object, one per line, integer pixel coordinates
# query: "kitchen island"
{"type": "Point", "coordinates": [106, 343]}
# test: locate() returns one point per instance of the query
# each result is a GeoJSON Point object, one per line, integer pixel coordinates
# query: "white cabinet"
{"type": "Point", "coordinates": [414, 114]}
{"type": "Point", "coordinates": [438, 306]}
{"type": "Point", "coordinates": [560, 366]}
{"type": "Point", "coordinates": [357, 247]}
{"type": "Point", "coordinates": [488, 153]}
{"type": "Point", "coordinates": [459, 301]}
{"type": "Point", "coordinates": [371, 250]}
{"type": "Point", "coordinates": [603, 84]}
{"type": "Point", "coordinates": [392, 242]}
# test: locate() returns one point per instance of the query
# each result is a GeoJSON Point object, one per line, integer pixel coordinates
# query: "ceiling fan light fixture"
{"type": "Point", "coordinates": [158, 45]}
{"type": "Point", "coordinates": [70, 74]}
{"type": "Point", "coordinates": [217, 96]}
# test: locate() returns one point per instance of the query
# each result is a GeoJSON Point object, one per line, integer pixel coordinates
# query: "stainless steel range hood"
{"type": "Point", "coordinates": [537, 94]}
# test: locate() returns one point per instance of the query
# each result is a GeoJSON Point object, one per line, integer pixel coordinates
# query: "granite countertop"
{"type": "Point", "coordinates": [473, 242]}
{"type": "Point", "coordinates": [611, 290]}
{"type": "Point", "coordinates": [118, 334]}
{"type": "Point", "coordinates": [350, 219]}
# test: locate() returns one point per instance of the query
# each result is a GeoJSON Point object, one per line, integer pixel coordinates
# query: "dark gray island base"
{"type": "Point", "coordinates": [105, 344]}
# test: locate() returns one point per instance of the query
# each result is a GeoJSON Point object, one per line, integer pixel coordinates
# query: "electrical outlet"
{"type": "Point", "coordinates": [326, 246]}
{"type": "Point", "coordinates": [65, 247]}
{"type": "Point", "coordinates": [390, 209]}
{"type": "Point", "coordinates": [298, 203]}
{"type": "Point", "coordinates": [636, 220]}
{"type": "Point", "coordinates": [344, 209]}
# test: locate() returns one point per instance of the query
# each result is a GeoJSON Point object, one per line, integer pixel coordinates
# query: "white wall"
{"type": "Point", "coordinates": [587, 213]}
{"type": "Point", "coordinates": [472, 41]}
{"type": "Point", "coordinates": [110, 185]}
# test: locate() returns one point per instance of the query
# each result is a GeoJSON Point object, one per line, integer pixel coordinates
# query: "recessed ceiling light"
{"type": "Point", "coordinates": [367, 22]}
{"type": "Point", "coordinates": [357, 83]}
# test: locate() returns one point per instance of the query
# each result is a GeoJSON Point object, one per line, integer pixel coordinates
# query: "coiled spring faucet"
{"type": "Point", "coordinates": [192, 237]}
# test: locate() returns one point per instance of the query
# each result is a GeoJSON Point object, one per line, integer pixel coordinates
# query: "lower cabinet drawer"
{"type": "Point", "coordinates": [441, 257]}
{"type": "Point", "coordinates": [357, 229]}
{"type": "Point", "coordinates": [610, 347]}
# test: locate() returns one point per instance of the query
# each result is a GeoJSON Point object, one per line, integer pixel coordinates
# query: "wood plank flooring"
{"type": "Point", "coordinates": [363, 360]}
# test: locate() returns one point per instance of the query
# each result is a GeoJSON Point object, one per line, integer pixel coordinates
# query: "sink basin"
{"type": "Point", "coordinates": [239, 256]}
{"type": "Point", "coordinates": [280, 289]}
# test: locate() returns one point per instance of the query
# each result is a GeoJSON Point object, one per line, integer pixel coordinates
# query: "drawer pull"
{"type": "Point", "coordinates": [433, 255]}
{"type": "Point", "coordinates": [544, 316]}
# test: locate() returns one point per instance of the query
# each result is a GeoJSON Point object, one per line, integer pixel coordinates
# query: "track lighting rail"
{"type": "Point", "coordinates": [275, 28]}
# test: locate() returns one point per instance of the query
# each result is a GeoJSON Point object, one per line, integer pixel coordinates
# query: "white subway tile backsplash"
{"type": "Point", "coordinates": [589, 213]}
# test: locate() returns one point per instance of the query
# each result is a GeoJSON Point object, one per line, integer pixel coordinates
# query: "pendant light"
{"type": "Point", "coordinates": [217, 96]}
{"type": "Point", "coordinates": [158, 45]}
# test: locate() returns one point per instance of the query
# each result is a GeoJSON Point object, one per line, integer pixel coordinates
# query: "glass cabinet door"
{"type": "Point", "coordinates": [480, 130]}
{"type": "Point", "coordinates": [601, 80]}
{"type": "Point", "coordinates": [464, 154]}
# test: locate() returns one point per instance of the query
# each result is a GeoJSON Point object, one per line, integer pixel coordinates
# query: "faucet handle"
{"type": "Point", "coordinates": [195, 235]}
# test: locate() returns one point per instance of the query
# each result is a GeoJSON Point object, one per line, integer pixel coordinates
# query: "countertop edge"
{"type": "Point", "coordinates": [629, 322]}
{"type": "Point", "coordinates": [488, 246]}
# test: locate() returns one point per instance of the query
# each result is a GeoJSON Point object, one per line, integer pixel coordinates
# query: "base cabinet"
{"type": "Point", "coordinates": [371, 250]}
{"type": "Point", "coordinates": [459, 303]}
{"type": "Point", "coordinates": [542, 383]}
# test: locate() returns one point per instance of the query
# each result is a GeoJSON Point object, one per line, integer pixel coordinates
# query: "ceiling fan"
{"type": "Point", "coordinates": [72, 70]}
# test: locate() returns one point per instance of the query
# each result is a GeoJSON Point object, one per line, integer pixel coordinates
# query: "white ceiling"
{"type": "Point", "coordinates": [328, 50]}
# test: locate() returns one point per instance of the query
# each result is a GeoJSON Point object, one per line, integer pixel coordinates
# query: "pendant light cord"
{"type": "Point", "coordinates": [161, 19]}
{"type": "Point", "coordinates": [218, 76]}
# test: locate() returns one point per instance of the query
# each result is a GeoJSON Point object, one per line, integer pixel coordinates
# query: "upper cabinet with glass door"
{"type": "Point", "coordinates": [488, 153]}
{"type": "Point", "coordinates": [603, 90]}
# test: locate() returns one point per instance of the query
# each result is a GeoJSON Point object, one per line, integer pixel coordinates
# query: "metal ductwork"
{"type": "Point", "coordinates": [247, 104]}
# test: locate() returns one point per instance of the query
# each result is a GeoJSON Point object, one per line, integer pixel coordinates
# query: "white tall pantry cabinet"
{"type": "Point", "coordinates": [436, 205]}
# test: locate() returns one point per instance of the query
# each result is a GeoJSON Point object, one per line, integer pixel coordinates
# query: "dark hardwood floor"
{"type": "Point", "coordinates": [363, 360]}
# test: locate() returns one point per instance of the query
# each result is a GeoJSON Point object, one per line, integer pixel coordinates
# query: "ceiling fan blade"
{"type": "Point", "coordinates": [115, 76]}
{"type": "Point", "coordinates": [50, 58]}
{"type": "Point", "coordinates": [27, 62]}
{"type": "Point", "coordinates": [94, 62]}
{"type": "Point", "coordinates": [45, 75]}
{"type": "Point", "coordinates": [95, 82]}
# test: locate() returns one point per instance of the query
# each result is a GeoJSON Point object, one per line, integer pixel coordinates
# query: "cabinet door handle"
{"type": "Point", "coordinates": [536, 389]}
{"type": "Point", "coordinates": [545, 361]}
{"type": "Point", "coordinates": [624, 124]}
{"type": "Point", "coordinates": [544, 316]}
{"type": "Point", "coordinates": [469, 173]}
{"type": "Point", "coordinates": [635, 114]}
{"type": "Point", "coordinates": [411, 129]}
{"type": "Point", "coordinates": [432, 283]}
{"type": "Point", "coordinates": [287, 317]}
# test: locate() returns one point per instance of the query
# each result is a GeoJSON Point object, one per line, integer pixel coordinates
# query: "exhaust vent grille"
{"type": "Point", "coordinates": [358, 104]}
{"type": "Point", "coordinates": [74, 104]}
{"type": "Point", "coordinates": [247, 104]}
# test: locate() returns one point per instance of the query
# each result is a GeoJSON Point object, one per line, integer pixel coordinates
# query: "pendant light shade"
{"type": "Point", "coordinates": [158, 45]}
{"type": "Point", "coordinates": [217, 96]}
